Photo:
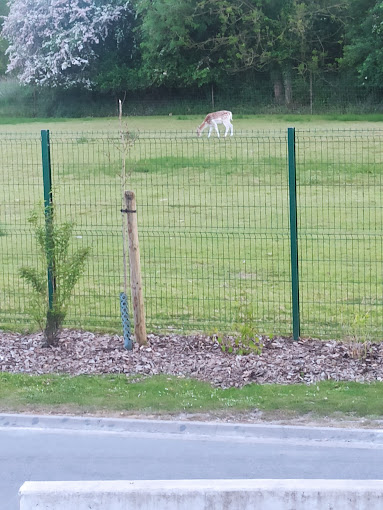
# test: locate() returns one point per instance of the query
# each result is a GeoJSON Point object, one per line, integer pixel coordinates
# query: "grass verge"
{"type": "Point", "coordinates": [166, 395]}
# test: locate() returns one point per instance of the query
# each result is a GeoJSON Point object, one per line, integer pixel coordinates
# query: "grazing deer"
{"type": "Point", "coordinates": [212, 119]}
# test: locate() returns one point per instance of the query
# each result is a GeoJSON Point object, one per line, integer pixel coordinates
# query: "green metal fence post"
{"type": "Point", "coordinates": [48, 209]}
{"type": "Point", "coordinates": [293, 232]}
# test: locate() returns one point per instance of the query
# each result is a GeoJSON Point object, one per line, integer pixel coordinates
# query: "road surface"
{"type": "Point", "coordinates": [64, 448]}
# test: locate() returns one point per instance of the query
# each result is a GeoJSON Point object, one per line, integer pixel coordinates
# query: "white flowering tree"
{"type": "Point", "coordinates": [55, 42]}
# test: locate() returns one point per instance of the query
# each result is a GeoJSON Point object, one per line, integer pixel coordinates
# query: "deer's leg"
{"type": "Point", "coordinates": [216, 128]}
{"type": "Point", "coordinates": [210, 128]}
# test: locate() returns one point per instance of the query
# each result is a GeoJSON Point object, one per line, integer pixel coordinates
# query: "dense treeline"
{"type": "Point", "coordinates": [283, 53]}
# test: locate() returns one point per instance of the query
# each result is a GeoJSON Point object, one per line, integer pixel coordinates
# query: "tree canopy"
{"type": "Point", "coordinates": [55, 42]}
{"type": "Point", "coordinates": [115, 45]}
{"type": "Point", "coordinates": [363, 51]}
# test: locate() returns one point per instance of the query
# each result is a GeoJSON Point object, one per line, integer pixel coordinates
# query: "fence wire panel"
{"type": "Point", "coordinates": [20, 189]}
{"type": "Point", "coordinates": [214, 232]}
{"type": "Point", "coordinates": [339, 181]}
{"type": "Point", "coordinates": [87, 190]}
{"type": "Point", "coordinates": [213, 219]}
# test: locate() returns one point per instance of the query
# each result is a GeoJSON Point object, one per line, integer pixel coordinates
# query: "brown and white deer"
{"type": "Point", "coordinates": [212, 119]}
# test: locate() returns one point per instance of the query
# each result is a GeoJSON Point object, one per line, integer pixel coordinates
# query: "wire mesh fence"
{"type": "Point", "coordinates": [214, 229]}
{"type": "Point", "coordinates": [20, 188]}
{"type": "Point", "coordinates": [340, 232]}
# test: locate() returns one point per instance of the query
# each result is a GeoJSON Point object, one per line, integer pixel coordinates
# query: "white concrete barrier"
{"type": "Point", "coordinates": [204, 495]}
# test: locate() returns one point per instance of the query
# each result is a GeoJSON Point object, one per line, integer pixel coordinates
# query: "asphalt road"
{"type": "Point", "coordinates": [62, 448]}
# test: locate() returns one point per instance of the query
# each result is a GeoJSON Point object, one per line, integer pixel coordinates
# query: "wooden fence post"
{"type": "Point", "coordinates": [135, 269]}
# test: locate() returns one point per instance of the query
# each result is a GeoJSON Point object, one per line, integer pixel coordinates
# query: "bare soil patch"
{"type": "Point", "coordinates": [282, 360]}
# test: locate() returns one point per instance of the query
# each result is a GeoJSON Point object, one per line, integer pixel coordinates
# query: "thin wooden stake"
{"type": "Point", "coordinates": [135, 269]}
{"type": "Point", "coordinates": [123, 187]}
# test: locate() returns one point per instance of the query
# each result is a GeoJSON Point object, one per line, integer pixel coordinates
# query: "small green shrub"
{"type": "Point", "coordinates": [245, 339]}
{"type": "Point", "coordinates": [66, 268]}
{"type": "Point", "coordinates": [356, 335]}
{"type": "Point", "coordinates": [241, 343]}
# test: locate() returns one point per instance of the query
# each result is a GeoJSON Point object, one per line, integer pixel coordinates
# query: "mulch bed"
{"type": "Point", "coordinates": [281, 361]}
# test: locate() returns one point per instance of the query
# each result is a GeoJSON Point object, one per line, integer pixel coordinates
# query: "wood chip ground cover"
{"type": "Point", "coordinates": [282, 360]}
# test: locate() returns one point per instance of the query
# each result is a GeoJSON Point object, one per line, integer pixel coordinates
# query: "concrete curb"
{"type": "Point", "coordinates": [204, 495]}
{"type": "Point", "coordinates": [188, 429]}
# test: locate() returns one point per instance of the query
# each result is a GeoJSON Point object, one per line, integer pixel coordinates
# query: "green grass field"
{"type": "Point", "coordinates": [161, 395]}
{"type": "Point", "coordinates": [213, 220]}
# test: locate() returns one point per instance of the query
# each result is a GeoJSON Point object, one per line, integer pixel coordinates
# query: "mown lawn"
{"type": "Point", "coordinates": [170, 395]}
